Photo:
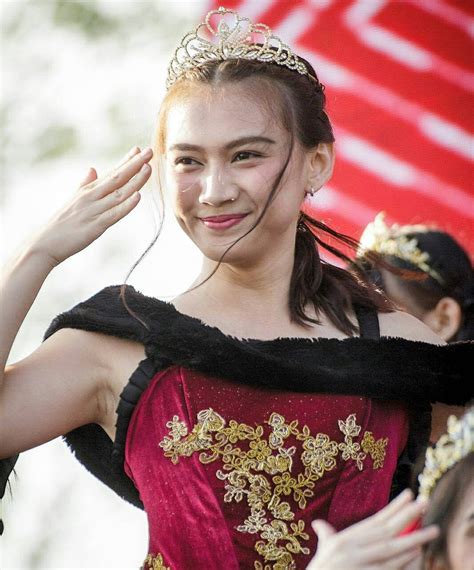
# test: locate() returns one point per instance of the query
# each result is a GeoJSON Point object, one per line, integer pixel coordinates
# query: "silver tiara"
{"type": "Point", "coordinates": [233, 37]}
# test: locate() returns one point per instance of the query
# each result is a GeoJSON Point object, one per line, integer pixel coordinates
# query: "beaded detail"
{"type": "Point", "coordinates": [261, 472]}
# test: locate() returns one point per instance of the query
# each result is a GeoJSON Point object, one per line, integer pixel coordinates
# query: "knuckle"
{"type": "Point", "coordinates": [113, 215]}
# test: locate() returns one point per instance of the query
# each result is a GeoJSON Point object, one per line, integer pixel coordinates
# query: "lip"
{"type": "Point", "coordinates": [222, 222]}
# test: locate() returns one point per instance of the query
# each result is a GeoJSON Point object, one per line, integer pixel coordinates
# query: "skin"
{"type": "Point", "coordinates": [444, 319]}
{"type": "Point", "coordinates": [461, 535]}
{"type": "Point", "coordinates": [374, 543]}
{"type": "Point", "coordinates": [65, 382]}
{"type": "Point", "coordinates": [214, 180]}
{"type": "Point", "coordinates": [460, 539]}
{"type": "Point", "coordinates": [75, 377]}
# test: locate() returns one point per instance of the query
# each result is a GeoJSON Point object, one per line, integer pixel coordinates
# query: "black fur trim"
{"type": "Point", "coordinates": [416, 373]}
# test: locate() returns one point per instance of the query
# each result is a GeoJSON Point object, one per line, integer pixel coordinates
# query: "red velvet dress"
{"type": "Point", "coordinates": [231, 475]}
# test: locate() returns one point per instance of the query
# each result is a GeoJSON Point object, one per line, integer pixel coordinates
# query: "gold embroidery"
{"type": "Point", "coordinates": [262, 473]}
{"type": "Point", "coordinates": [376, 449]}
{"type": "Point", "coordinates": [155, 563]}
{"type": "Point", "coordinates": [351, 449]}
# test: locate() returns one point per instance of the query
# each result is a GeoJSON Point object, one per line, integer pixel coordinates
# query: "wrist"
{"type": "Point", "coordinates": [43, 260]}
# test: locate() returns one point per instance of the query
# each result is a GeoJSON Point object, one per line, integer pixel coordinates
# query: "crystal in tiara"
{"type": "Point", "coordinates": [234, 37]}
{"type": "Point", "coordinates": [386, 240]}
{"type": "Point", "coordinates": [450, 449]}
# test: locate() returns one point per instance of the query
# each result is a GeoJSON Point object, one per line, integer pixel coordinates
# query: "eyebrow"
{"type": "Point", "coordinates": [229, 146]}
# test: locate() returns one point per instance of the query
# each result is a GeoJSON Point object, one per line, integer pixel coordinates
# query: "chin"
{"type": "Point", "coordinates": [240, 254]}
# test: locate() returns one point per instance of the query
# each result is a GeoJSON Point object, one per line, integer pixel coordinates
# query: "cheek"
{"type": "Point", "coordinates": [459, 551]}
{"type": "Point", "coordinates": [183, 189]}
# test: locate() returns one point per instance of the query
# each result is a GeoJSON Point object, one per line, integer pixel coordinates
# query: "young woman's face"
{"type": "Point", "coordinates": [224, 151]}
{"type": "Point", "coordinates": [459, 553]}
{"type": "Point", "coordinates": [461, 534]}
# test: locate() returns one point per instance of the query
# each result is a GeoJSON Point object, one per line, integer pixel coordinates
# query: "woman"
{"type": "Point", "coordinates": [219, 413]}
{"type": "Point", "coordinates": [438, 284]}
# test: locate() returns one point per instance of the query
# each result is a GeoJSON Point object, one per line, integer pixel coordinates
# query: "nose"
{"type": "Point", "coordinates": [217, 189]}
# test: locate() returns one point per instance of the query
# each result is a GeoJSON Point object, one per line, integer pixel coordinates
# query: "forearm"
{"type": "Point", "coordinates": [20, 283]}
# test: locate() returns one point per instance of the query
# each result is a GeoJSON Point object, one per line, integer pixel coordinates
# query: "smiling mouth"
{"type": "Point", "coordinates": [222, 222]}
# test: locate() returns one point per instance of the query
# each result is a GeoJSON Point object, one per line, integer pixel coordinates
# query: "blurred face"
{"type": "Point", "coordinates": [224, 150]}
{"type": "Point", "coordinates": [400, 297]}
{"type": "Point", "coordinates": [459, 539]}
{"type": "Point", "coordinates": [461, 535]}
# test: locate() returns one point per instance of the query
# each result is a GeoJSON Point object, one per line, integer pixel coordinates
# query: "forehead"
{"type": "Point", "coordinates": [211, 116]}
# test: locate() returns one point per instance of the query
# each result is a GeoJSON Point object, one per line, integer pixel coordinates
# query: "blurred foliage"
{"type": "Point", "coordinates": [38, 35]}
{"type": "Point", "coordinates": [85, 17]}
{"type": "Point", "coordinates": [55, 141]}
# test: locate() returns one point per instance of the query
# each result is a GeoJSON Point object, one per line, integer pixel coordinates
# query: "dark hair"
{"type": "Point", "coordinates": [327, 288]}
{"type": "Point", "coordinates": [449, 261]}
{"type": "Point", "coordinates": [444, 503]}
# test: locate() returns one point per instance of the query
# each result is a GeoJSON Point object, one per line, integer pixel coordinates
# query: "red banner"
{"type": "Point", "coordinates": [399, 83]}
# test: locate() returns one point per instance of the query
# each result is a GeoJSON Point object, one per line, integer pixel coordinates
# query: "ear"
{"type": "Point", "coordinates": [445, 319]}
{"type": "Point", "coordinates": [320, 165]}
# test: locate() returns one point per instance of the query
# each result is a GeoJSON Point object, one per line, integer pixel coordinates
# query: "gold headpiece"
{"type": "Point", "coordinates": [386, 240]}
{"type": "Point", "coordinates": [232, 38]}
{"type": "Point", "coordinates": [449, 450]}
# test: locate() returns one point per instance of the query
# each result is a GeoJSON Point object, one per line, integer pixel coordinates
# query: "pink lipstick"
{"type": "Point", "coordinates": [222, 222]}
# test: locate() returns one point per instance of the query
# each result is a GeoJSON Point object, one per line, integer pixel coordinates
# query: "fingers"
{"type": "Point", "coordinates": [132, 152]}
{"type": "Point", "coordinates": [323, 529]}
{"type": "Point", "coordinates": [115, 214]}
{"type": "Point", "coordinates": [90, 177]}
{"type": "Point", "coordinates": [394, 507]}
{"type": "Point", "coordinates": [122, 174]}
{"type": "Point", "coordinates": [402, 518]}
{"type": "Point", "coordinates": [399, 548]}
{"type": "Point", "coordinates": [114, 199]}
{"type": "Point", "coordinates": [380, 524]}
{"type": "Point", "coordinates": [92, 173]}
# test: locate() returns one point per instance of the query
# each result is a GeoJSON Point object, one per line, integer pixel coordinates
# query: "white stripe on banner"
{"type": "Point", "coordinates": [401, 174]}
{"type": "Point", "coordinates": [352, 210]}
{"type": "Point", "coordinates": [438, 130]}
{"type": "Point", "coordinates": [448, 13]}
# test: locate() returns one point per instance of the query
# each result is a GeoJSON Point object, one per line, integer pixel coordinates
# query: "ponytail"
{"type": "Point", "coordinates": [329, 289]}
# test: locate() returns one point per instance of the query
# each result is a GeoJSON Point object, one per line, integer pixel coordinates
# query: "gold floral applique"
{"type": "Point", "coordinates": [155, 563]}
{"type": "Point", "coordinates": [261, 472]}
{"type": "Point", "coordinates": [376, 449]}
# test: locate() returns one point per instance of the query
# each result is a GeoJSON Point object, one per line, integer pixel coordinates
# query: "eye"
{"type": "Point", "coordinates": [245, 155]}
{"type": "Point", "coordinates": [186, 161]}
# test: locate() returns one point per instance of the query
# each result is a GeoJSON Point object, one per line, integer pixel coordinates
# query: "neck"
{"type": "Point", "coordinates": [264, 284]}
{"type": "Point", "coordinates": [246, 301]}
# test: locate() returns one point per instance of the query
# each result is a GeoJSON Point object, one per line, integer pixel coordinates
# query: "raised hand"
{"type": "Point", "coordinates": [98, 204]}
{"type": "Point", "coordinates": [374, 543]}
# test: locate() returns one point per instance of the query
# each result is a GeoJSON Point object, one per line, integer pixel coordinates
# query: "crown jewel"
{"type": "Point", "coordinates": [234, 37]}
{"type": "Point", "coordinates": [451, 447]}
{"type": "Point", "coordinates": [386, 240]}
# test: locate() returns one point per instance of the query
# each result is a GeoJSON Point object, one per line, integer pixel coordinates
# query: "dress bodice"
{"type": "Point", "coordinates": [233, 447]}
{"type": "Point", "coordinates": [231, 475]}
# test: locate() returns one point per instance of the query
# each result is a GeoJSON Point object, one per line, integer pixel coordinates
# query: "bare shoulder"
{"type": "Point", "coordinates": [107, 362]}
{"type": "Point", "coordinates": [403, 325]}
{"type": "Point", "coordinates": [73, 378]}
